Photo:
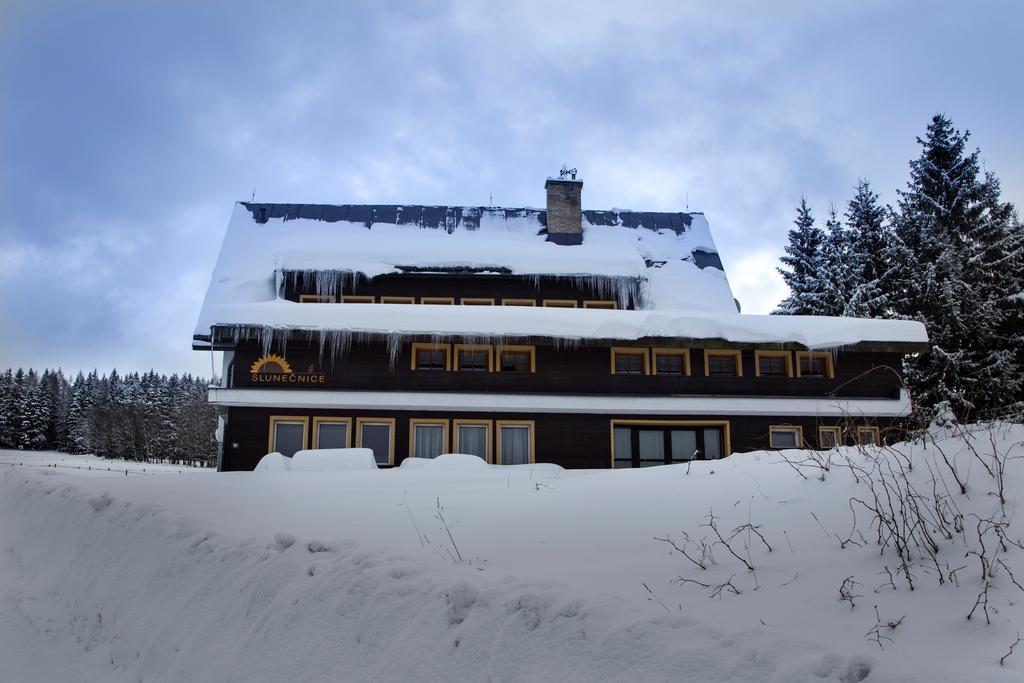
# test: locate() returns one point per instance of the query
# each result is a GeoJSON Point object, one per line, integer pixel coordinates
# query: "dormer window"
{"type": "Point", "coordinates": [627, 361]}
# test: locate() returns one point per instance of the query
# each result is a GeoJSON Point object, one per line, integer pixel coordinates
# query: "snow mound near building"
{"type": "Point", "coordinates": [446, 461]}
{"type": "Point", "coordinates": [319, 460]}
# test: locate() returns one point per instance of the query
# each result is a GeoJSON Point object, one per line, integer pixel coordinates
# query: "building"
{"type": "Point", "coordinates": [583, 338]}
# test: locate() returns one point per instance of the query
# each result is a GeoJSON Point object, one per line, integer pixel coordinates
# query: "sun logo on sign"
{"type": "Point", "coordinates": [271, 364]}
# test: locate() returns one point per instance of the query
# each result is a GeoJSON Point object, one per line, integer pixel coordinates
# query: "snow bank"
{"type": "Point", "coordinates": [319, 460]}
{"type": "Point", "coordinates": [447, 461]}
{"type": "Point", "coordinates": [333, 460]}
{"type": "Point", "coordinates": [517, 573]}
{"type": "Point", "coordinates": [274, 462]}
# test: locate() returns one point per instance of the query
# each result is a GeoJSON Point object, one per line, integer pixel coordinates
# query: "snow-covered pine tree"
{"type": "Point", "coordinates": [835, 270]}
{"type": "Point", "coordinates": [7, 409]}
{"type": "Point", "coordinates": [947, 272]}
{"type": "Point", "coordinates": [868, 239]}
{"type": "Point", "coordinates": [803, 261]}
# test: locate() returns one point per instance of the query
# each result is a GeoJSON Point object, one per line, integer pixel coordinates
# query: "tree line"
{"type": "Point", "coordinates": [950, 254]}
{"type": "Point", "coordinates": [147, 417]}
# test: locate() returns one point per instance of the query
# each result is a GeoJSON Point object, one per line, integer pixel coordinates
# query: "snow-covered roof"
{"type": "Point", "coordinates": [669, 258]}
{"type": "Point", "coordinates": [408, 320]}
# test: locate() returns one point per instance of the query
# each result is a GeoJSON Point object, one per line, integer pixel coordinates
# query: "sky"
{"type": "Point", "coordinates": [129, 129]}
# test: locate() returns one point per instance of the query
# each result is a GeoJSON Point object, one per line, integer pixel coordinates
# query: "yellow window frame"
{"type": "Point", "coordinates": [786, 355]}
{"type": "Point", "coordinates": [787, 428]}
{"type": "Point", "coordinates": [320, 419]}
{"type": "Point", "coordinates": [502, 348]}
{"type": "Point", "coordinates": [518, 302]}
{"type": "Point", "coordinates": [498, 424]}
{"type": "Point", "coordinates": [476, 301]}
{"type": "Point", "coordinates": [685, 353]}
{"type": "Point", "coordinates": [390, 421]}
{"type": "Point", "coordinates": [357, 299]}
{"type": "Point", "coordinates": [876, 436]}
{"type": "Point", "coordinates": [429, 422]}
{"type": "Point", "coordinates": [559, 303]}
{"type": "Point", "coordinates": [275, 419]}
{"type": "Point", "coordinates": [427, 346]}
{"type": "Point", "coordinates": [437, 300]}
{"type": "Point", "coordinates": [316, 298]}
{"type": "Point", "coordinates": [489, 424]}
{"type": "Point", "coordinates": [837, 436]}
{"type": "Point", "coordinates": [606, 304]}
{"type": "Point", "coordinates": [473, 347]}
{"type": "Point", "coordinates": [398, 299]}
{"type": "Point", "coordinates": [721, 353]}
{"type": "Point", "coordinates": [632, 351]}
{"type": "Point", "coordinates": [830, 371]}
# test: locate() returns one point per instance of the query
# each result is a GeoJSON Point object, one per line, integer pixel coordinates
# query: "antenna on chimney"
{"type": "Point", "coordinates": [253, 193]}
{"type": "Point", "coordinates": [566, 172]}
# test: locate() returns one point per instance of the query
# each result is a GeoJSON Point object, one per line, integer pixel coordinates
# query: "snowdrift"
{"type": "Point", "coordinates": [762, 567]}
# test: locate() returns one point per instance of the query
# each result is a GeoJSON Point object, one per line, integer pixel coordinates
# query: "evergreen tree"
{"type": "Point", "coordinates": [835, 270]}
{"type": "Point", "coordinates": [867, 262]}
{"type": "Point", "coordinates": [803, 261]}
{"type": "Point", "coordinates": [956, 266]}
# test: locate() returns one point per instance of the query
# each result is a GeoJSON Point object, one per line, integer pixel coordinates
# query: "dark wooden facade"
{"type": "Point", "coordinates": [569, 440]}
{"type": "Point", "coordinates": [578, 440]}
{"type": "Point", "coordinates": [585, 369]}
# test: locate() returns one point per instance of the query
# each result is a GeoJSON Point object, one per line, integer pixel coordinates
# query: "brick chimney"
{"type": "Point", "coordinates": [565, 217]}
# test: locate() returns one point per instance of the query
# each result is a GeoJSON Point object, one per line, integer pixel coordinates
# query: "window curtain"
{"type": "Point", "coordinates": [429, 441]}
{"type": "Point", "coordinates": [473, 440]}
{"type": "Point", "coordinates": [712, 444]}
{"type": "Point", "coordinates": [515, 445]}
{"type": "Point", "coordinates": [332, 435]}
{"type": "Point", "coordinates": [289, 437]}
{"type": "Point", "coordinates": [623, 447]}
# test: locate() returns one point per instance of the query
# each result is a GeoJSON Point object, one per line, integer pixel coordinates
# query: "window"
{"type": "Point", "coordinates": [773, 364]}
{"type": "Point", "coordinates": [431, 357]}
{"type": "Point", "coordinates": [814, 365]}
{"type": "Point", "coordinates": [377, 434]}
{"type": "Point", "coordinates": [315, 299]}
{"type": "Point", "coordinates": [332, 432]}
{"type": "Point", "coordinates": [470, 358]}
{"type": "Point", "coordinates": [427, 438]}
{"type": "Point", "coordinates": [785, 437]}
{"type": "Point", "coordinates": [437, 300]}
{"type": "Point", "coordinates": [473, 437]}
{"type": "Point", "coordinates": [515, 442]}
{"type": "Point", "coordinates": [397, 300]}
{"type": "Point", "coordinates": [287, 434]}
{"type": "Point", "coordinates": [630, 361]}
{"type": "Point", "coordinates": [518, 302]}
{"type": "Point", "coordinates": [868, 436]}
{"type": "Point", "coordinates": [829, 437]}
{"type": "Point", "coordinates": [722, 364]}
{"type": "Point", "coordinates": [600, 304]}
{"type": "Point", "coordinates": [674, 362]}
{"type": "Point", "coordinates": [353, 299]}
{"type": "Point", "coordinates": [516, 359]}
{"type": "Point", "coordinates": [560, 303]}
{"type": "Point", "coordinates": [647, 443]}
{"type": "Point", "coordinates": [476, 302]}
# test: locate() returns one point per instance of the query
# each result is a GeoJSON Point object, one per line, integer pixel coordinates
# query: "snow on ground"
{"type": "Point", "coordinates": [514, 573]}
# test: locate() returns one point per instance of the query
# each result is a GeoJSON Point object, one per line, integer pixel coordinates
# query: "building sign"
{"type": "Point", "coordinates": [275, 369]}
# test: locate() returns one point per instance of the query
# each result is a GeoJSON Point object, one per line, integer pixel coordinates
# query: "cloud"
{"type": "Point", "coordinates": [129, 129]}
